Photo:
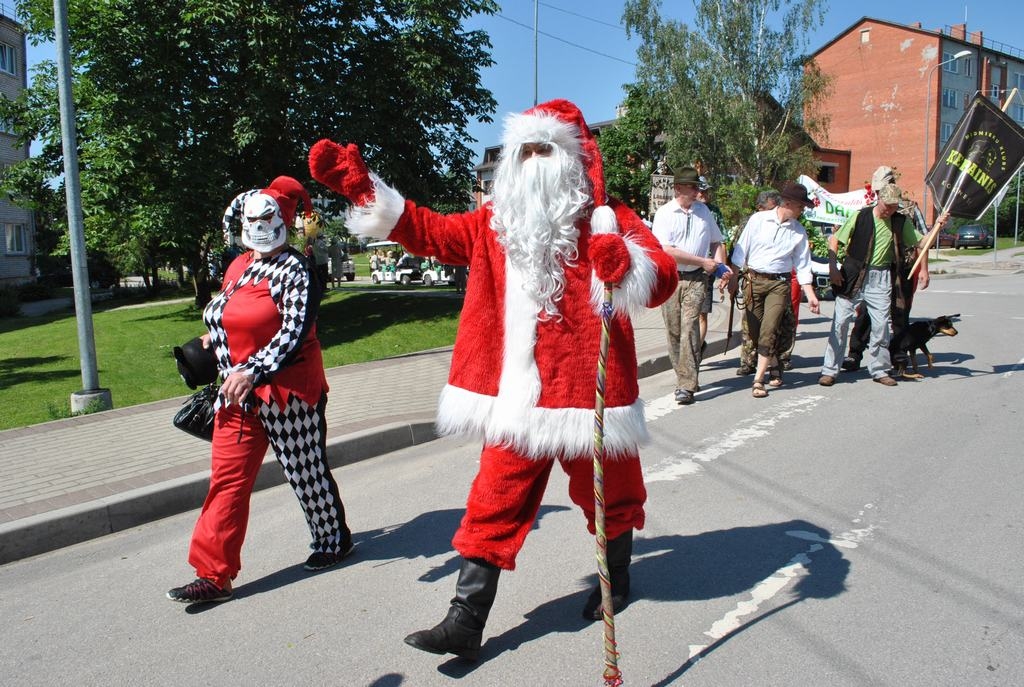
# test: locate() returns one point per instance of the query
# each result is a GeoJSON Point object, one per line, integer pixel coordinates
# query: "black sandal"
{"type": "Point", "coordinates": [775, 377]}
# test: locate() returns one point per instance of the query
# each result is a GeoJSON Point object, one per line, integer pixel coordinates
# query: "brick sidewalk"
{"type": "Point", "coordinates": [70, 480]}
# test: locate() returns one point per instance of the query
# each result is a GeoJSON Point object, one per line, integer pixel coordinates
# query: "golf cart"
{"type": "Point", "coordinates": [408, 269]}
{"type": "Point", "coordinates": [404, 271]}
{"type": "Point", "coordinates": [436, 273]}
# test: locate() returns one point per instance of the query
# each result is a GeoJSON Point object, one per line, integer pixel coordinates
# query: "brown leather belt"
{"type": "Point", "coordinates": [771, 276]}
{"type": "Point", "coordinates": [692, 274]}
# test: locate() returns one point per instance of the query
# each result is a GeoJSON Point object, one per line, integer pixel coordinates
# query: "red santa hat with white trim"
{"type": "Point", "coordinates": [561, 123]}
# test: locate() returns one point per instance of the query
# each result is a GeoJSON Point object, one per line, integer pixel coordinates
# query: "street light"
{"type": "Point", "coordinates": [927, 109]}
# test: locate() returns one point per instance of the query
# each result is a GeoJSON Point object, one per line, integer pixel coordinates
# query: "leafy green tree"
{"type": "Point", "coordinates": [1011, 218]}
{"type": "Point", "coordinates": [631, 151]}
{"type": "Point", "coordinates": [732, 89]}
{"type": "Point", "coordinates": [737, 203]}
{"type": "Point", "coordinates": [182, 104]}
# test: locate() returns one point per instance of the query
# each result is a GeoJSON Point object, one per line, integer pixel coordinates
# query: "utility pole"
{"type": "Point", "coordinates": [91, 397]}
{"type": "Point", "coordinates": [536, 5]}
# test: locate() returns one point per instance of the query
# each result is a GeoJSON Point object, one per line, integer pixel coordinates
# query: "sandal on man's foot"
{"type": "Point", "coordinates": [759, 391]}
{"type": "Point", "coordinates": [775, 378]}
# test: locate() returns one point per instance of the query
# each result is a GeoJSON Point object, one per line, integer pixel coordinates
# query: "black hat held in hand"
{"type": "Point", "coordinates": [196, 365]}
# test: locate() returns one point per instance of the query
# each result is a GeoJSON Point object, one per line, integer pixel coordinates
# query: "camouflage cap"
{"type": "Point", "coordinates": [890, 194]}
{"type": "Point", "coordinates": [882, 177]}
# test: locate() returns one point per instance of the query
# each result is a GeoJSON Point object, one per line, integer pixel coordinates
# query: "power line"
{"type": "Point", "coordinates": [583, 16]}
{"type": "Point", "coordinates": [562, 40]}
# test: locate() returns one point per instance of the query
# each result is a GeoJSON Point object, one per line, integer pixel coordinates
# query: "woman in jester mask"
{"type": "Point", "coordinates": [262, 328]}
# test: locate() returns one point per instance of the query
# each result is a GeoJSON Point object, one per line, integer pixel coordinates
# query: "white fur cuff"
{"type": "Point", "coordinates": [377, 219]}
{"type": "Point", "coordinates": [634, 292]}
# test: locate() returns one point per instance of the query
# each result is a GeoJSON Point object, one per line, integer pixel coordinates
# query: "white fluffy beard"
{"type": "Point", "coordinates": [536, 204]}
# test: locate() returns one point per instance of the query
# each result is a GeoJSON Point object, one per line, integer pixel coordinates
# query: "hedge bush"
{"type": "Point", "coordinates": [35, 291]}
{"type": "Point", "coordinates": [10, 305]}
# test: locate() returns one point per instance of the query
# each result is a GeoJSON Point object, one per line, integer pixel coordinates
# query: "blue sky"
{"type": "Point", "coordinates": [586, 58]}
{"type": "Point", "coordinates": [584, 55]}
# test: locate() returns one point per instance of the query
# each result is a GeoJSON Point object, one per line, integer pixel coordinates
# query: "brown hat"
{"type": "Point", "coordinates": [687, 176]}
{"type": "Point", "coordinates": [797, 192]}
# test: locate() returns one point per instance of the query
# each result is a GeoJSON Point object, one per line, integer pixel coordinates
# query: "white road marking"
{"type": "Point", "coordinates": [743, 432]}
{"type": "Point", "coordinates": [1018, 366]}
{"type": "Point", "coordinates": [769, 587]}
{"type": "Point", "coordinates": [660, 407]}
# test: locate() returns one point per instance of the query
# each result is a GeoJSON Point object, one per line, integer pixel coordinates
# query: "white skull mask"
{"type": "Point", "coordinates": [263, 228]}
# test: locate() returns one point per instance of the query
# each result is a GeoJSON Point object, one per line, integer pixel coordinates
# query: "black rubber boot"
{"type": "Point", "coordinates": [462, 629]}
{"type": "Point", "coordinates": [620, 551]}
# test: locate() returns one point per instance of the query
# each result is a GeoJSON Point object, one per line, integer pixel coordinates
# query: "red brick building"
{"type": "Point", "coordinates": [891, 103]}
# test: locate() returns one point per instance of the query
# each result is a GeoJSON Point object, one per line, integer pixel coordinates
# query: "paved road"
{"type": "Point", "coordinates": [803, 539]}
{"type": "Point", "coordinates": [97, 474]}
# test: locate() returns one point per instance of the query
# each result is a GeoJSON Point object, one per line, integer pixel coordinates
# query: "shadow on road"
{"type": "Point", "coordinates": [425, 536]}
{"type": "Point", "coordinates": [705, 566]}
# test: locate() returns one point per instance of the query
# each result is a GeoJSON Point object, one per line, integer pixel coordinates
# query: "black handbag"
{"type": "Point", "coordinates": [196, 414]}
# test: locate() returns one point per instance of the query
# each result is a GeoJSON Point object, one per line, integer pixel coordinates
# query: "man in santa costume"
{"type": "Point", "coordinates": [524, 365]}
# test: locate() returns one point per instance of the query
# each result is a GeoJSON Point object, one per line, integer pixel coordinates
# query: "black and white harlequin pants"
{"type": "Point", "coordinates": [298, 436]}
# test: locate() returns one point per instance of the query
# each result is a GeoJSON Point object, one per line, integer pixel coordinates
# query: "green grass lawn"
{"type": "Point", "coordinates": [39, 363]}
{"type": "Point", "coordinates": [1002, 243]}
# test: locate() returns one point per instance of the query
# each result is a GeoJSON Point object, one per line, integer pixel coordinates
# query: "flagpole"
{"type": "Point", "coordinates": [995, 215]}
{"type": "Point", "coordinates": [939, 221]}
{"type": "Point", "coordinates": [1016, 219]}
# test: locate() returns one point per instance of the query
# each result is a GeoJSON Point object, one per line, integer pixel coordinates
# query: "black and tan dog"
{"type": "Point", "coordinates": [915, 338]}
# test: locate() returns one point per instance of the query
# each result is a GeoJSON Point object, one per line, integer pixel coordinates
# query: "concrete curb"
{"type": "Point", "coordinates": [38, 534]}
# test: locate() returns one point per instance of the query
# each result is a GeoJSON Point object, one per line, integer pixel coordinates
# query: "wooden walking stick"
{"type": "Point", "coordinates": [612, 674]}
{"type": "Point", "coordinates": [728, 329]}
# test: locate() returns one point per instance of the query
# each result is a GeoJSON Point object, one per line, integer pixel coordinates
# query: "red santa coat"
{"type": "Point", "coordinates": [517, 380]}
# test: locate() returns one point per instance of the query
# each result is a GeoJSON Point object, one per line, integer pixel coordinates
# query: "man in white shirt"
{"type": "Point", "coordinates": [689, 234]}
{"type": "Point", "coordinates": [772, 245]}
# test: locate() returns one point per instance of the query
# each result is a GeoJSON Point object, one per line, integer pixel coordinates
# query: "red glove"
{"type": "Point", "coordinates": [342, 170]}
{"type": "Point", "coordinates": [609, 257]}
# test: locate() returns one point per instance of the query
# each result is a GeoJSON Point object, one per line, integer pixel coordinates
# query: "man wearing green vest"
{"type": "Point", "coordinates": [872, 239]}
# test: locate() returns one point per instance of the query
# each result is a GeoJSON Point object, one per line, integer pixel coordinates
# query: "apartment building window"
{"type": "Point", "coordinates": [947, 131]}
{"type": "Point", "coordinates": [1018, 113]}
{"type": "Point", "coordinates": [865, 35]}
{"type": "Point", "coordinates": [968, 64]}
{"type": "Point", "coordinates": [17, 239]}
{"type": "Point", "coordinates": [8, 58]}
{"type": "Point", "coordinates": [951, 98]}
{"type": "Point", "coordinates": [951, 65]}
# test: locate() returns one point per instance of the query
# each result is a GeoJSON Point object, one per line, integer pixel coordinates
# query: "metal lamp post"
{"type": "Point", "coordinates": [91, 397]}
{"type": "Point", "coordinates": [927, 140]}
